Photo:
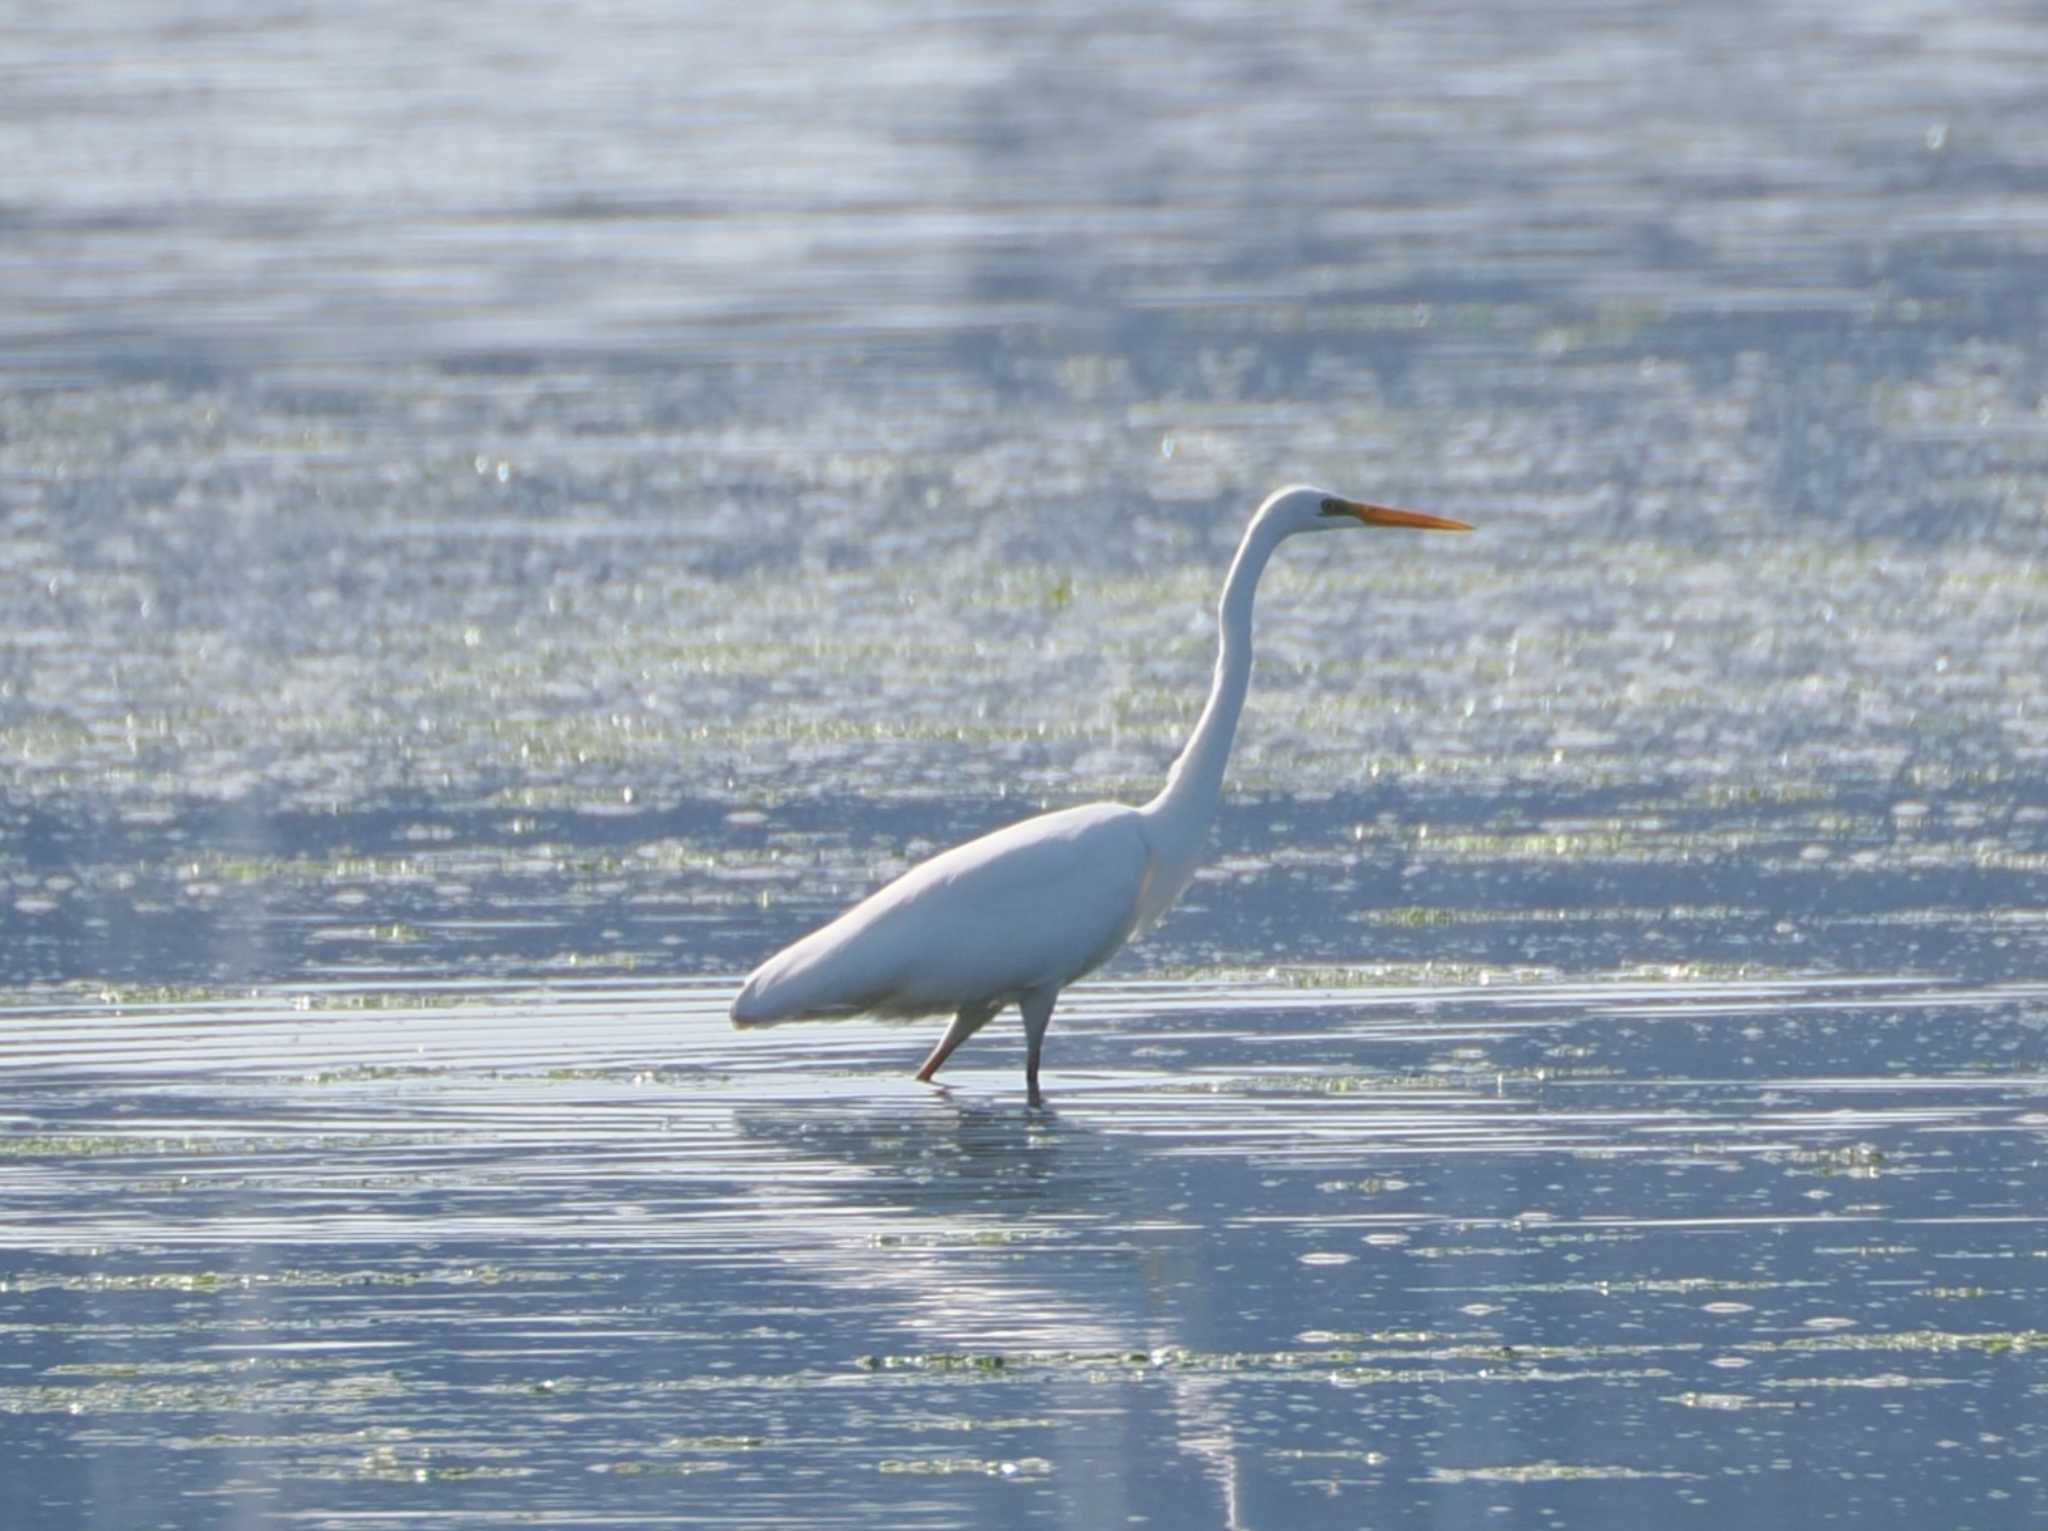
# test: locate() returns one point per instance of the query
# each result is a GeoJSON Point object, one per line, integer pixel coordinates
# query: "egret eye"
{"type": "Point", "coordinates": [1333, 507]}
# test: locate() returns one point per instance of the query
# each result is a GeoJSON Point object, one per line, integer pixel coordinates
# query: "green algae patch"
{"type": "Point", "coordinates": [2008, 1342]}
{"type": "Point", "coordinates": [1550, 1472]}
{"type": "Point", "coordinates": [985, 1467]}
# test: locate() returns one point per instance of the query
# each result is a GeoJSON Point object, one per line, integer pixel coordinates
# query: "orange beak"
{"type": "Point", "coordinates": [1387, 515]}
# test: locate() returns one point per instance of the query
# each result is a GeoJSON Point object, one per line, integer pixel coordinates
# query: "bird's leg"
{"type": "Point", "coordinates": [970, 1020]}
{"type": "Point", "coordinates": [1037, 1008]}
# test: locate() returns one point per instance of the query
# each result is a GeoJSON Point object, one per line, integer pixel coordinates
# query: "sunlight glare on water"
{"type": "Point", "coordinates": [770, 1257]}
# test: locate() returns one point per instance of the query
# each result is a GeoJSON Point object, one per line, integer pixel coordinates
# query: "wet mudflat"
{"type": "Point", "coordinates": [1380, 1255]}
{"type": "Point", "coordinates": [506, 525]}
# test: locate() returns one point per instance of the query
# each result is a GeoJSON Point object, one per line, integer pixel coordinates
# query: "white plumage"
{"type": "Point", "coordinates": [1017, 915]}
{"type": "Point", "coordinates": [1064, 888]}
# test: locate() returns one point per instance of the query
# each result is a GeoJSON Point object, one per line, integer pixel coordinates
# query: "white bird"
{"type": "Point", "coordinates": [1017, 915]}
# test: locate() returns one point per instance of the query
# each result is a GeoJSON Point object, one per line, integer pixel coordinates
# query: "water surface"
{"type": "Point", "coordinates": [507, 523]}
{"type": "Point", "coordinates": [1386, 1254]}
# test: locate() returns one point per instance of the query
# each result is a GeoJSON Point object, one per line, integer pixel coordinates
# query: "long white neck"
{"type": "Point", "coordinates": [1195, 784]}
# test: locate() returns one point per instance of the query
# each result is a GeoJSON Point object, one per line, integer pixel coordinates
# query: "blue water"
{"type": "Point", "coordinates": [508, 522]}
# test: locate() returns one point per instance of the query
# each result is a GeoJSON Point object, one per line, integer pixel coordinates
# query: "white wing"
{"type": "Point", "coordinates": [1038, 903]}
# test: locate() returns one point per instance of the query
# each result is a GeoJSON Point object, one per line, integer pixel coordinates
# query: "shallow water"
{"type": "Point", "coordinates": [1393, 1255]}
{"type": "Point", "coordinates": [507, 523]}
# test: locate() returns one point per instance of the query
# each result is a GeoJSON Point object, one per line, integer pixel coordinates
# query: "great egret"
{"type": "Point", "coordinates": [1017, 915]}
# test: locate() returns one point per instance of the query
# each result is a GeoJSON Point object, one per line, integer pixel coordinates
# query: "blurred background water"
{"type": "Point", "coordinates": [493, 500]}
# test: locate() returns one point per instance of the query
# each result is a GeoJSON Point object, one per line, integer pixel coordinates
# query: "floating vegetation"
{"type": "Point", "coordinates": [2015, 1342]}
{"type": "Point", "coordinates": [1549, 1472]}
{"type": "Point", "coordinates": [132, 994]}
{"type": "Point", "coordinates": [990, 1467]}
{"type": "Point", "coordinates": [284, 1278]}
{"type": "Point", "coordinates": [713, 1443]}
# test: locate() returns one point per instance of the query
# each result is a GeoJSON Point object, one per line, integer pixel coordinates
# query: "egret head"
{"type": "Point", "coordinates": [1304, 508]}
